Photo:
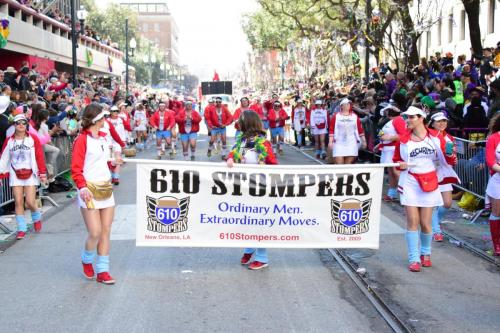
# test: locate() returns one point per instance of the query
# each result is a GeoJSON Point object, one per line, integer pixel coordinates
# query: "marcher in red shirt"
{"type": "Point", "coordinates": [188, 121]}
{"type": "Point", "coordinates": [217, 118]}
{"type": "Point", "coordinates": [277, 117]}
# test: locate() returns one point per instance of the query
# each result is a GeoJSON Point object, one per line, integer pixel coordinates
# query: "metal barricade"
{"type": "Point", "coordinates": [471, 168]}
{"type": "Point", "coordinates": [65, 145]}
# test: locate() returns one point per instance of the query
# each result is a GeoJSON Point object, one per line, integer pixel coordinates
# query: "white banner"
{"type": "Point", "coordinates": [285, 206]}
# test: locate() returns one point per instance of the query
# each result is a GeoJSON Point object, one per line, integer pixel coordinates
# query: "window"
{"type": "Point", "coordinates": [145, 27]}
{"type": "Point", "coordinates": [491, 17]}
{"type": "Point", "coordinates": [462, 25]}
{"type": "Point", "coordinates": [450, 27]}
{"type": "Point", "coordinates": [157, 27]}
{"type": "Point", "coordinates": [151, 8]}
{"type": "Point", "coordinates": [143, 8]}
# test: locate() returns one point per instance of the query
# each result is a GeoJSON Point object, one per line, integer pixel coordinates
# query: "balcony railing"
{"type": "Point", "coordinates": [15, 9]}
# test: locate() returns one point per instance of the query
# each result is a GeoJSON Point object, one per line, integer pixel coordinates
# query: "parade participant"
{"type": "Point", "coordinates": [389, 136]}
{"type": "Point", "coordinates": [245, 104]}
{"type": "Point", "coordinates": [140, 126]}
{"type": "Point", "coordinates": [288, 122]}
{"type": "Point", "coordinates": [188, 121]}
{"type": "Point", "coordinates": [218, 117]}
{"type": "Point", "coordinates": [22, 161]}
{"type": "Point", "coordinates": [89, 169]}
{"type": "Point", "coordinates": [119, 125]}
{"type": "Point", "coordinates": [493, 188]}
{"type": "Point", "coordinates": [163, 121]}
{"type": "Point", "coordinates": [211, 104]}
{"type": "Point", "coordinates": [346, 134]}
{"type": "Point", "coordinates": [319, 120]}
{"type": "Point", "coordinates": [125, 116]}
{"type": "Point", "coordinates": [417, 153]}
{"type": "Point", "coordinates": [446, 175]}
{"type": "Point", "coordinates": [267, 107]}
{"type": "Point", "coordinates": [277, 117]}
{"type": "Point", "coordinates": [299, 122]}
{"type": "Point", "coordinates": [257, 107]}
{"type": "Point", "coordinates": [252, 148]}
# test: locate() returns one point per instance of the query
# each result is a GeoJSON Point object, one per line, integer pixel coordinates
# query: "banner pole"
{"type": "Point", "coordinates": [323, 166]}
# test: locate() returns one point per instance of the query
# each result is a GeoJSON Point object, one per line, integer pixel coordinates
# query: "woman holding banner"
{"type": "Point", "coordinates": [493, 189]}
{"type": "Point", "coordinates": [418, 152]}
{"type": "Point", "coordinates": [89, 169]}
{"type": "Point", "coordinates": [252, 148]}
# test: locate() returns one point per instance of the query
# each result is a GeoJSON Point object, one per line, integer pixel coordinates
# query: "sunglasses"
{"type": "Point", "coordinates": [21, 122]}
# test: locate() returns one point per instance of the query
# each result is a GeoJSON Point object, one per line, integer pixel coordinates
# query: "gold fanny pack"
{"type": "Point", "coordinates": [100, 190]}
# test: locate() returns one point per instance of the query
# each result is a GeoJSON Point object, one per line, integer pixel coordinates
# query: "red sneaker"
{"type": "Point", "coordinates": [426, 260]}
{"type": "Point", "coordinates": [88, 271]}
{"type": "Point", "coordinates": [37, 225]}
{"type": "Point", "coordinates": [115, 181]}
{"type": "Point", "coordinates": [438, 237]}
{"type": "Point", "coordinates": [254, 265]}
{"type": "Point", "coordinates": [20, 235]}
{"type": "Point", "coordinates": [414, 267]}
{"type": "Point", "coordinates": [245, 260]}
{"type": "Point", "coordinates": [105, 278]}
{"type": "Point", "coordinates": [388, 198]}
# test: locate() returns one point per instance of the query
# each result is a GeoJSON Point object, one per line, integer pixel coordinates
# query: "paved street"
{"type": "Point", "coordinates": [206, 290]}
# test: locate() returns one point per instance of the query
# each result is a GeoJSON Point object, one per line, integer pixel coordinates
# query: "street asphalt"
{"type": "Point", "coordinates": [207, 290]}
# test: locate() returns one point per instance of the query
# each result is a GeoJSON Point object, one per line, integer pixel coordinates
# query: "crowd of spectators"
{"type": "Point", "coordinates": [58, 15]}
{"type": "Point", "coordinates": [467, 90]}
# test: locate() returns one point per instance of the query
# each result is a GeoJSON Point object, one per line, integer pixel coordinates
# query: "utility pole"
{"type": "Point", "coordinates": [126, 58]}
{"type": "Point", "coordinates": [74, 43]}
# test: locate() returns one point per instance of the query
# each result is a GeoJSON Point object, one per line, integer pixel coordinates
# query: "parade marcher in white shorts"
{"type": "Point", "coordinates": [120, 127]}
{"type": "Point", "coordinates": [140, 126]}
{"type": "Point", "coordinates": [318, 123]}
{"type": "Point", "coordinates": [493, 188]}
{"type": "Point", "coordinates": [446, 175]}
{"type": "Point", "coordinates": [23, 162]}
{"type": "Point", "coordinates": [89, 169]}
{"type": "Point", "coordinates": [299, 121]}
{"type": "Point", "coordinates": [389, 136]}
{"type": "Point", "coordinates": [346, 134]}
{"type": "Point", "coordinates": [418, 152]}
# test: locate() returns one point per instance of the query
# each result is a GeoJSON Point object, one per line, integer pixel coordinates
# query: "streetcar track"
{"type": "Point", "coordinates": [383, 309]}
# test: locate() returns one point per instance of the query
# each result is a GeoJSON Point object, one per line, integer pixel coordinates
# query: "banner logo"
{"type": "Point", "coordinates": [167, 214]}
{"type": "Point", "coordinates": [350, 217]}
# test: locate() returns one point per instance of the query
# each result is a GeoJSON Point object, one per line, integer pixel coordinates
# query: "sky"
{"type": "Point", "coordinates": [210, 34]}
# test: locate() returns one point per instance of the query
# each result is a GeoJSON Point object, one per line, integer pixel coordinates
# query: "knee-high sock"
{"type": "Point", "coordinates": [88, 256]}
{"type": "Point", "coordinates": [36, 216]}
{"type": "Point", "coordinates": [425, 243]}
{"type": "Point", "coordinates": [437, 217]}
{"type": "Point", "coordinates": [412, 246]}
{"type": "Point", "coordinates": [21, 223]}
{"type": "Point", "coordinates": [495, 233]}
{"type": "Point", "coordinates": [102, 264]}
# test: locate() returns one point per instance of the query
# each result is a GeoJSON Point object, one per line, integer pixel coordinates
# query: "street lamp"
{"type": "Point", "coordinates": [81, 15]}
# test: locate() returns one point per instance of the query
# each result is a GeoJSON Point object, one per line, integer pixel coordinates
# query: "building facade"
{"type": "Point", "coordinates": [450, 29]}
{"type": "Point", "coordinates": [156, 23]}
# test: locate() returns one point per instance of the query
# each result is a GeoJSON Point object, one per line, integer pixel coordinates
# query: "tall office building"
{"type": "Point", "coordinates": [156, 23]}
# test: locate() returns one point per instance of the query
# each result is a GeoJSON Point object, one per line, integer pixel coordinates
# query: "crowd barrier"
{"type": "Point", "coordinates": [65, 144]}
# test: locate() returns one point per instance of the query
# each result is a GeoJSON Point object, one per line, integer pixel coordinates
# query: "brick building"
{"type": "Point", "coordinates": [156, 24]}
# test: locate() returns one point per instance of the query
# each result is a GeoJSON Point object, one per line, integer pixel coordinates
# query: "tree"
{"type": "Point", "coordinates": [110, 23]}
{"type": "Point", "coordinates": [472, 9]}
